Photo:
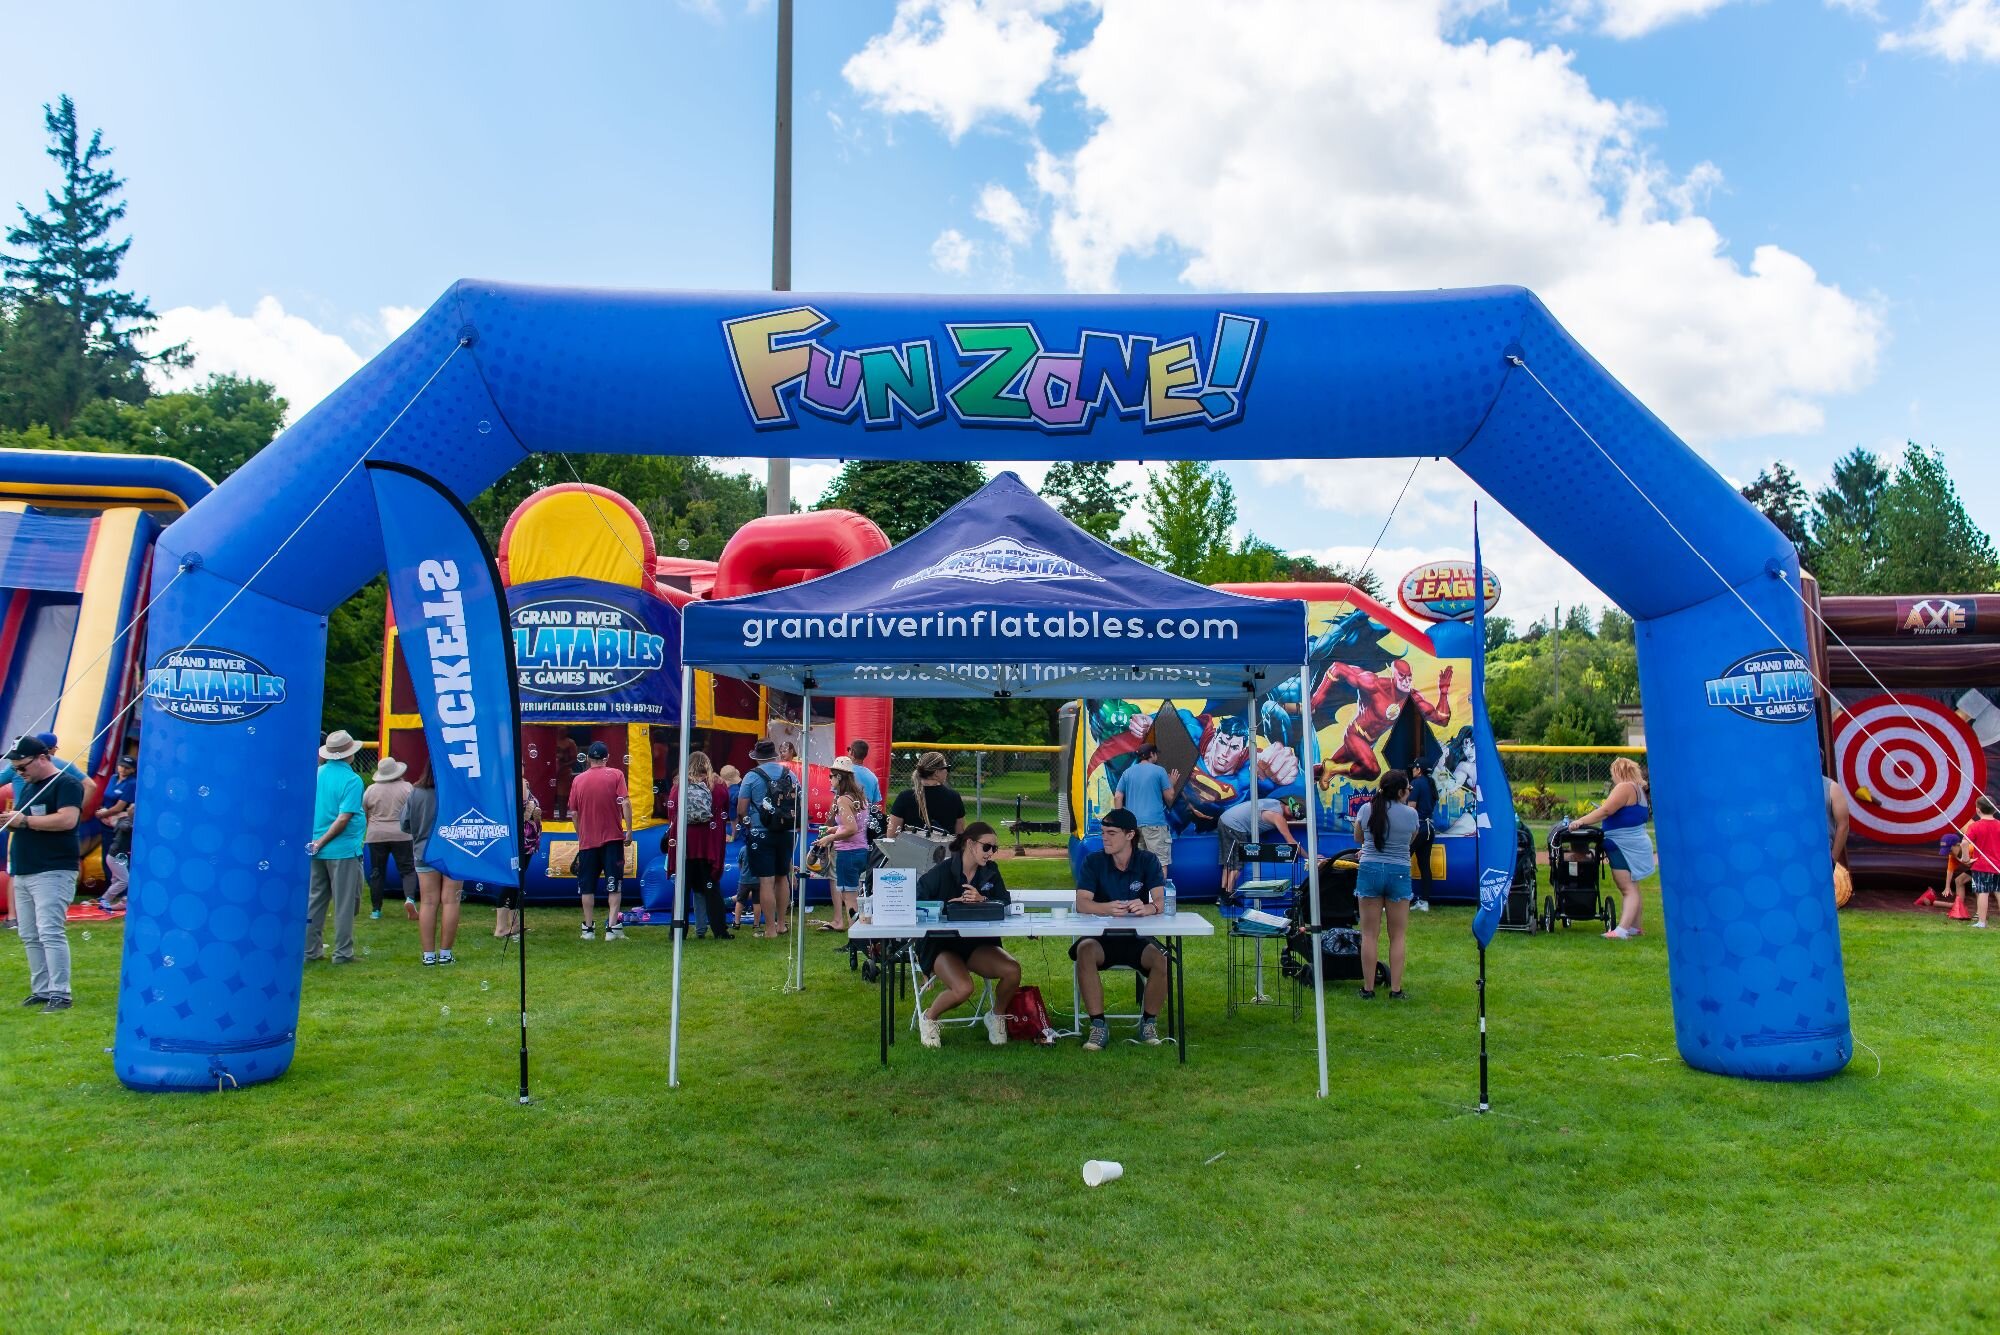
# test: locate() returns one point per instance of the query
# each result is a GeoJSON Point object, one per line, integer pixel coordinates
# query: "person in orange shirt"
{"type": "Point", "coordinates": [1984, 836]}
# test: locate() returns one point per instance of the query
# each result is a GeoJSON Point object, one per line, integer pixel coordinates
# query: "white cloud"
{"type": "Point", "coordinates": [1632, 18]}
{"type": "Point", "coordinates": [958, 61]}
{"type": "Point", "coordinates": [1003, 211]}
{"type": "Point", "coordinates": [304, 362]}
{"type": "Point", "coordinates": [1438, 504]}
{"type": "Point", "coordinates": [393, 320]}
{"type": "Point", "coordinates": [951, 252]}
{"type": "Point", "coordinates": [1955, 30]}
{"type": "Point", "coordinates": [1284, 153]}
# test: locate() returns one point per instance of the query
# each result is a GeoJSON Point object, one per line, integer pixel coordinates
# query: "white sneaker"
{"type": "Point", "coordinates": [996, 1028]}
{"type": "Point", "coordinates": [927, 1031]}
{"type": "Point", "coordinates": [589, 932]}
{"type": "Point", "coordinates": [614, 934]}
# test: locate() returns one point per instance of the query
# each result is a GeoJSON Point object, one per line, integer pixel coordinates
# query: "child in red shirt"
{"type": "Point", "coordinates": [1984, 836]}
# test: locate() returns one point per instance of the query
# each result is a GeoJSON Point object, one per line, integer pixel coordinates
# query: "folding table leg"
{"type": "Point", "coordinates": [882, 992]}
{"type": "Point", "coordinates": [1180, 1001]}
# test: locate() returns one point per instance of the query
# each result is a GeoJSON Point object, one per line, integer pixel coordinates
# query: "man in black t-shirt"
{"type": "Point", "coordinates": [43, 855]}
{"type": "Point", "coordinates": [1124, 881]}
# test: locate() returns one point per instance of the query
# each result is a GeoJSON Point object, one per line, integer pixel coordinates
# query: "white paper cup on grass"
{"type": "Point", "coordinates": [1096, 1172]}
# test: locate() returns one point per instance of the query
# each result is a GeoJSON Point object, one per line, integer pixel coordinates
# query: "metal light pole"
{"type": "Point", "coordinates": [778, 474]}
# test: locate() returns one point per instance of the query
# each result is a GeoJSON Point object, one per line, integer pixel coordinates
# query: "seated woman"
{"type": "Point", "coordinates": [968, 876]}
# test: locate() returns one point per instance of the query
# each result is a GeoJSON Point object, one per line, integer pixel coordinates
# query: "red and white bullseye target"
{"type": "Point", "coordinates": [1912, 766]}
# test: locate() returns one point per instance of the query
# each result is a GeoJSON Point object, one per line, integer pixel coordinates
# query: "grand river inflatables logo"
{"type": "Point", "coordinates": [1775, 686]}
{"type": "Point", "coordinates": [1001, 561]}
{"type": "Point", "coordinates": [575, 646]}
{"type": "Point", "coordinates": [204, 684]}
{"type": "Point", "coordinates": [474, 832]}
{"type": "Point", "coordinates": [784, 360]}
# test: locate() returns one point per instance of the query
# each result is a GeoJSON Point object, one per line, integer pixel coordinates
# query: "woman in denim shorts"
{"type": "Point", "coordinates": [1384, 829]}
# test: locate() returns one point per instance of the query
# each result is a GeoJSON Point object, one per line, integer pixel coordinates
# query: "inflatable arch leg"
{"type": "Point", "coordinates": [1746, 870]}
{"type": "Point", "coordinates": [216, 927]}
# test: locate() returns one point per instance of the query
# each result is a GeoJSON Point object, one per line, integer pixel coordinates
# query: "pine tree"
{"type": "Point", "coordinates": [1928, 542]}
{"type": "Point", "coordinates": [1846, 546]}
{"type": "Point", "coordinates": [1782, 498]}
{"type": "Point", "coordinates": [66, 273]}
{"type": "Point", "coordinates": [1085, 494]}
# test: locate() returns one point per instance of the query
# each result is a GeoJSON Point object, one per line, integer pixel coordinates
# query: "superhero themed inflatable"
{"type": "Point", "coordinates": [1387, 692]}
{"type": "Point", "coordinates": [1913, 735]}
{"type": "Point", "coordinates": [595, 612]}
{"type": "Point", "coordinates": [77, 533]}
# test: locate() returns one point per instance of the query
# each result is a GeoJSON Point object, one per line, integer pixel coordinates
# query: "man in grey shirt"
{"type": "Point", "coordinates": [1237, 826]}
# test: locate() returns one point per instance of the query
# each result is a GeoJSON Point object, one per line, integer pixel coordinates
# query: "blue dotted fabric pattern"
{"type": "Point", "coordinates": [215, 935]}
{"type": "Point", "coordinates": [1746, 864]}
{"type": "Point", "coordinates": [1755, 954]}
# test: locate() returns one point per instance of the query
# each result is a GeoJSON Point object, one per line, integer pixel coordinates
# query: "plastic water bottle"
{"type": "Point", "coordinates": [1170, 899]}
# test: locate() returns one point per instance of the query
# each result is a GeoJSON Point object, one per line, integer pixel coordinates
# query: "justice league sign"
{"type": "Point", "coordinates": [585, 651]}
{"type": "Point", "coordinates": [446, 595]}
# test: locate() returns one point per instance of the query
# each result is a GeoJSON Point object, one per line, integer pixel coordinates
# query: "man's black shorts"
{"type": "Point", "coordinates": [770, 855]}
{"type": "Point", "coordinates": [1120, 952]}
{"type": "Point", "coordinates": [593, 864]}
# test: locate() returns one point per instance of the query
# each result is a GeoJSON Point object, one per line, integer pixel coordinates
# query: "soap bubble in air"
{"type": "Point", "coordinates": [203, 790]}
{"type": "Point", "coordinates": [264, 865]}
{"type": "Point", "coordinates": [168, 961]}
{"type": "Point", "coordinates": [444, 1012]}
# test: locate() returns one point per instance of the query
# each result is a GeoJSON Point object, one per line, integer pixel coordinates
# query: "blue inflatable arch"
{"type": "Point", "coordinates": [493, 372]}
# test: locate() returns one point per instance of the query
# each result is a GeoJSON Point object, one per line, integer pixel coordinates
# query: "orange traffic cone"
{"type": "Point", "coordinates": [1927, 898]}
{"type": "Point", "coordinates": [1960, 910]}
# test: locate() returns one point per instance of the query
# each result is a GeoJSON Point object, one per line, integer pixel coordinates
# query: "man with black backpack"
{"type": "Point", "coordinates": [767, 805]}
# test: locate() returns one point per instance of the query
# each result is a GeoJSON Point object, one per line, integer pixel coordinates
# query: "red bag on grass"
{"type": "Point", "coordinates": [1028, 1018]}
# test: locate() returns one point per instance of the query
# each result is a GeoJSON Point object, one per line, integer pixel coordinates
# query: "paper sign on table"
{"type": "Point", "coordinates": [895, 897]}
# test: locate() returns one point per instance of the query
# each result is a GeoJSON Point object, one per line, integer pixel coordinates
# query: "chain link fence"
{"type": "Point", "coordinates": [1550, 782]}
{"type": "Point", "coordinates": [1013, 789]}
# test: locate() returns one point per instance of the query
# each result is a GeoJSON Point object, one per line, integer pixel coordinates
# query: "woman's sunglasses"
{"type": "Point", "coordinates": [989, 848]}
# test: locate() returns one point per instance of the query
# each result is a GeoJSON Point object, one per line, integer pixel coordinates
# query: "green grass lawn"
{"type": "Point", "coordinates": [391, 1182]}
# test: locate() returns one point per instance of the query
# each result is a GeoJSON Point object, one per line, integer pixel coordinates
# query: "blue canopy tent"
{"type": "Point", "coordinates": [1000, 597]}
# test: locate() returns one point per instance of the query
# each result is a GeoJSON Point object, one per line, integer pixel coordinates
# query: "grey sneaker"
{"type": "Point", "coordinates": [1149, 1033]}
{"type": "Point", "coordinates": [1099, 1037]}
{"type": "Point", "coordinates": [37, 999]}
{"type": "Point", "coordinates": [446, 957]}
{"type": "Point", "coordinates": [56, 1003]}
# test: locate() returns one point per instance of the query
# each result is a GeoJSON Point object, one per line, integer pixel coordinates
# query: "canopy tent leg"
{"type": "Point", "coordinates": [680, 885]}
{"type": "Point", "coordinates": [1308, 739]}
{"type": "Point", "coordinates": [801, 842]}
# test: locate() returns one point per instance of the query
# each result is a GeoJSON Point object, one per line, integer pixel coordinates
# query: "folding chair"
{"type": "Point", "coordinates": [921, 982]}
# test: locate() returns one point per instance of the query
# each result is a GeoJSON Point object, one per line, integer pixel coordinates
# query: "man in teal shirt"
{"type": "Point", "coordinates": [338, 830]}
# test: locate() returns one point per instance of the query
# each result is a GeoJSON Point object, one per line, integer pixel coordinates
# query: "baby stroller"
{"type": "Point", "coordinates": [1576, 864]}
{"type": "Point", "coordinates": [1521, 912]}
{"type": "Point", "coordinates": [1340, 925]}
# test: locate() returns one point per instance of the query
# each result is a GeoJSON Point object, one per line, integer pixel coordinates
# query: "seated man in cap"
{"type": "Point", "coordinates": [1124, 881]}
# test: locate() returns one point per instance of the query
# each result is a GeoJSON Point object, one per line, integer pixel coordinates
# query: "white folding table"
{"type": "Point", "coordinates": [1167, 929]}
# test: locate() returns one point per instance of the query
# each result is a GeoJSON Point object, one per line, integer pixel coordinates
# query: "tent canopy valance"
{"type": "Point", "coordinates": [1002, 596]}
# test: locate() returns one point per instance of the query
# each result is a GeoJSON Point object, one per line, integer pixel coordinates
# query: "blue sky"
{"type": "Point", "coordinates": [1774, 220]}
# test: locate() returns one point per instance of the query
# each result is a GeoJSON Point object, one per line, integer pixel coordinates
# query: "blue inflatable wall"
{"type": "Point", "coordinates": [215, 940]}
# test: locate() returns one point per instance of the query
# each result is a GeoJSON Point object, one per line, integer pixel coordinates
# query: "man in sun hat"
{"type": "Point", "coordinates": [335, 848]}
{"type": "Point", "coordinates": [386, 839]}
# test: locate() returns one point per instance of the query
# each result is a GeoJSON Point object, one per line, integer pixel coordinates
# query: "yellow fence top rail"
{"type": "Point", "coordinates": [972, 746]}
